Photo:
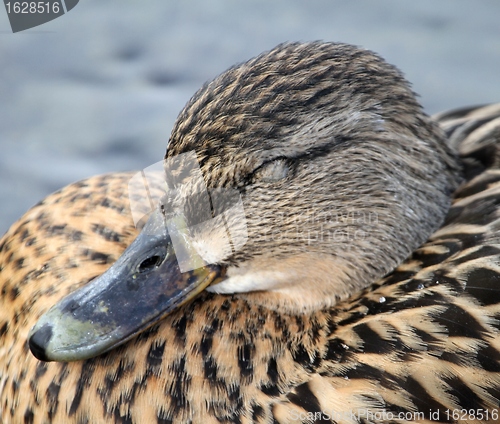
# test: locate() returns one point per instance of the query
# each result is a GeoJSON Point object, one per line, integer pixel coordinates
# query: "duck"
{"type": "Point", "coordinates": [315, 249]}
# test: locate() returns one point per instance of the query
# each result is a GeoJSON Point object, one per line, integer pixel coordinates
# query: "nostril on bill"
{"type": "Point", "coordinates": [39, 341]}
{"type": "Point", "coordinates": [150, 263]}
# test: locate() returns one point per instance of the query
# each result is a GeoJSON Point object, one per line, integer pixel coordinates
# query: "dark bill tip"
{"type": "Point", "coordinates": [39, 341]}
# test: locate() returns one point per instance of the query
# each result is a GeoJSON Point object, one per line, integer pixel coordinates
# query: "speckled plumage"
{"type": "Point", "coordinates": [424, 339]}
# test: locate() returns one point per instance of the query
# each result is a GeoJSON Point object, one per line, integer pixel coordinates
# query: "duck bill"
{"type": "Point", "coordinates": [141, 287]}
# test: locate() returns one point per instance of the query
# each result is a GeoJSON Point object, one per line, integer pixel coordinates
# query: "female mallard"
{"type": "Point", "coordinates": [341, 176]}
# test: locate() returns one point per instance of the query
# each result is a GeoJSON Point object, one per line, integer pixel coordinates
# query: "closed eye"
{"type": "Point", "coordinates": [272, 171]}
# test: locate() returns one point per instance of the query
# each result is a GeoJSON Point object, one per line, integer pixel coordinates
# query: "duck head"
{"type": "Point", "coordinates": [296, 179]}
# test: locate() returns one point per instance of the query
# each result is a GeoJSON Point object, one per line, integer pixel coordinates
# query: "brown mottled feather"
{"type": "Point", "coordinates": [423, 339]}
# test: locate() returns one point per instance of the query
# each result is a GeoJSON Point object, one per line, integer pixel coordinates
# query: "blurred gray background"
{"type": "Point", "coordinates": [98, 89]}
